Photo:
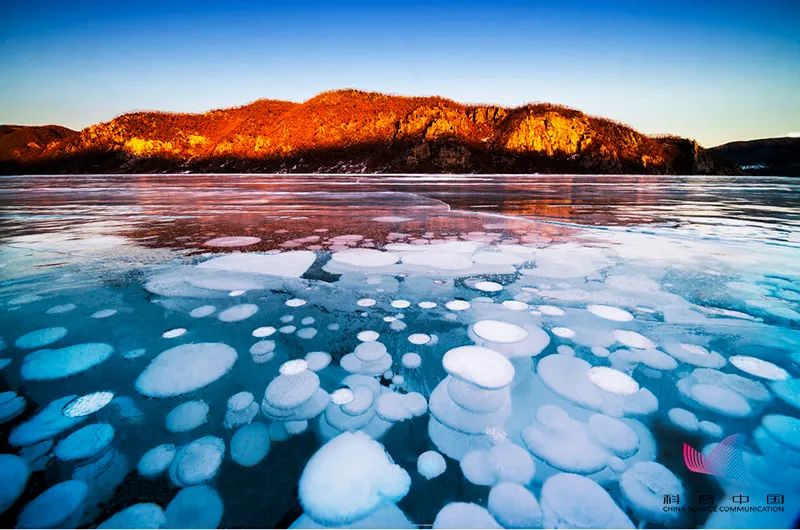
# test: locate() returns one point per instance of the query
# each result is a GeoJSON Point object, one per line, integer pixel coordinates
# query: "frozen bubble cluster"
{"type": "Point", "coordinates": [392, 362]}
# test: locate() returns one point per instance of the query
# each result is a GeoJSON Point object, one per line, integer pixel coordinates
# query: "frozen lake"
{"type": "Point", "coordinates": [398, 351]}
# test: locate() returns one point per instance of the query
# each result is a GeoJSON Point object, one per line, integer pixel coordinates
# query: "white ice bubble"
{"type": "Point", "coordinates": [366, 302]}
{"type": "Point", "coordinates": [720, 399]}
{"type": "Point", "coordinates": [683, 419]}
{"type": "Point", "coordinates": [457, 305]}
{"type": "Point", "coordinates": [632, 339]}
{"type": "Point", "coordinates": [487, 287]}
{"type": "Point", "coordinates": [348, 478]}
{"type": "Point", "coordinates": [195, 507]}
{"type": "Point", "coordinates": [479, 366]}
{"type": "Point", "coordinates": [564, 333]}
{"type": "Point", "coordinates": [464, 515]}
{"type": "Point", "coordinates": [342, 396]}
{"type": "Point", "coordinates": [296, 302]}
{"type": "Point", "coordinates": [427, 305]}
{"type": "Point", "coordinates": [88, 404]}
{"type": "Point", "coordinates": [292, 264]}
{"type": "Point", "coordinates": [156, 460]}
{"type": "Point", "coordinates": [187, 416]}
{"type": "Point", "coordinates": [46, 365]}
{"type": "Point", "coordinates": [613, 380]}
{"type": "Point", "coordinates": [551, 310]}
{"type": "Point", "coordinates": [174, 333]}
{"type": "Point", "coordinates": [368, 335]}
{"type": "Point", "coordinates": [610, 312]}
{"type": "Point", "coordinates": [185, 368]}
{"type": "Point", "coordinates": [431, 464]}
{"type": "Point", "coordinates": [264, 331]}
{"type": "Point", "coordinates": [365, 258]}
{"type": "Point", "coordinates": [61, 309]}
{"type": "Point", "coordinates": [202, 311]}
{"type": "Point", "coordinates": [758, 367]}
{"type": "Point", "coordinates": [644, 487]}
{"type": "Point", "coordinates": [294, 367]}
{"type": "Point", "coordinates": [47, 423]}
{"type": "Point", "coordinates": [60, 506]}
{"type": "Point", "coordinates": [411, 360]}
{"type": "Point", "coordinates": [40, 338]}
{"type": "Point", "coordinates": [104, 313]}
{"type": "Point", "coordinates": [142, 515]}
{"type": "Point", "coordinates": [515, 305]}
{"type": "Point", "coordinates": [250, 444]}
{"type": "Point", "coordinates": [318, 360]}
{"type": "Point", "coordinates": [514, 506]}
{"type": "Point", "coordinates": [85, 443]}
{"type": "Point", "coordinates": [238, 312]}
{"type": "Point", "coordinates": [564, 500]}
{"type": "Point", "coordinates": [419, 338]}
{"type": "Point", "coordinates": [503, 462]}
{"type": "Point", "coordinates": [400, 304]}
{"type": "Point", "coordinates": [499, 331]}
{"type": "Point", "coordinates": [232, 241]}
{"type": "Point", "coordinates": [197, 462]}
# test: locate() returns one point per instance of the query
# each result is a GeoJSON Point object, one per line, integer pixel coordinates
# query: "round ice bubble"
{"type": "Point", "coordinates": [613, 381]}
{"type": "Point", "coordinates": [759, 367]}
{"type": "Point", "coordinates": [40, 338]}
{"type": "Point", "coordinates": [610, 312]}
{"type": "Point", "coordinates": [499, 331]}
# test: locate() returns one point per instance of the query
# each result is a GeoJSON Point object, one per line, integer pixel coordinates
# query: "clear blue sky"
{"type": "Point", "coordinates": [714, 71]}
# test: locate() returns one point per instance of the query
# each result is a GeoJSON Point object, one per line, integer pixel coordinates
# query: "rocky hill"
{"type": "Point", "coordinates": [769, 156]}
{"type": "Point", "coordinates": [354, 131]}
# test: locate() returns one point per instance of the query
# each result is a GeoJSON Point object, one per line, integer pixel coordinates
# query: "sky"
{"type": "Point", "coordinates": [709, 70]}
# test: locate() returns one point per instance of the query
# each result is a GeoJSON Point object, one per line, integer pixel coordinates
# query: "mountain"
{"type": "Point", "coordinates": [354, 131]}
{"type": "Point", "coordinates": [769, 156]}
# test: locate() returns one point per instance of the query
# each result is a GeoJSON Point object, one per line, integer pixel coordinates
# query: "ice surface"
{"type": "Point", "coordinates": [40, 338]}
{"type": "Point", "coordinates": [464, 515]}
{"type": "Point", "coordinates": [185, 368]}
{"type": "Point", "coordinates": [513, 506]}
{"type": "Point", "coordinates": [14, 473]}
{"type": "Point", "coordinates": [195, 507]}
{"type": "Point", "coordinates": [348, 478]}
{"type": "Point", "coordinates": [250, 444]}
{"type": "Point", "coordinates": [45, 365]}
{"type": "Point", "coordinates": [565, 502]}
{"type": "Point", "coordinates": [47, 423]}
{"type": "Point", "coordinates": [85, 443]}
{"type": "Point", "coordinates": [60, 506]}
{"type": "Point", "coordinates": [142, 515]}
{"type": "Point", "coordinates": [291, 264]}
{"type": "Point", "coordinates": [187, 416]}
{"type": "Point", "coordinates": [431, 464]}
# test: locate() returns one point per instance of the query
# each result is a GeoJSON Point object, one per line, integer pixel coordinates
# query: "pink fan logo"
{"type": "Point", "coordinates": [725, 461]}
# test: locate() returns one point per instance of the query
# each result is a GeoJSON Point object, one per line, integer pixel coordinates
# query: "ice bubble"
{"type": "Point", "coordinates": [514, 506]}
{"type": "Point", "coordinates": [644, 487]}
{"type": "Point", "coordinates": [104, 313]}
{"type": "Point", "coordinates": [464, 515]}
{"type": "Point", "coordinates": [14, 475]}
{"type": "Point", "coordinates": [613, 380]}
{"type": "Point", "coordinates": [238, 312]}
{"type": "Point", "coordinates": [411, 360]}
{"type": "Point", "coordinates": [134, 353]}
{"type": "Point", "coordinates": [498, 331]}
{"type": "Point", "coordinates": [720, 400]}
{"type": "Point", "coordinates": [651, 358]}
{"type": "Point", "coordinates": [600, 351]}
{"type": "Point", "coordinates": [241, 409]}
{"type": "Point", "coordinates": [85, 443]}
{"type": "Point", "coordinates": [711, 429]}
{"type": "Point", "coordinates": [368, 335]}
{"type": "Point", "coordinates": [232, 241]}
{"type": "Point", "coordinates": [515, 305]}
{"type": "Point", "coordinates": [400, 304]}
{"type": "Point", "coordinates": [185, 368]}
{"type": "Point", "coordinates": [551, 310]}
{"type": "Point", "coordinates": [11, 405]}
{"type": "Point", "coordinates": [695, 355]}
{"type": "Point", "coordinates": [419, 338]}
{"type": "Point", "coordinates": [292, 264]}
{"type": "Point", "coordinates": [784, 429]}
{"type": "Point", "coordinates": [4, 361]}
{"type": "Point", "coordinates": [187, 416]}
{"type": "Point", "coordinates": [394, 407]}
{"type": "Point", "coordinates": [683, 419]}
{"type": "Point", "coordinates": [427, 305]}
{"type": "Point", "coordinates": [262, 351]}
{"type": "Point", "coordinates": [758, 367]}
{"type": "Point", "coordinates": [173, 333]}
{"type": "Point", "coordinates": [487, 287]}
{"type": "Point", "coordinates": [142, 515]}
{"type": "Point", "coordinates": [348, 478]}
{"type": "Point", "coordinates": [47, 423]}
{"type": "Point", "coordinates": [632, 339]}
{"type": "Point", "coordinates": [342, 396]}
{"type": "Point", "coordinates": [60, 309]}
{"type": "Point", "coordinates": [364, 257]}
{"type": "Point", "coordinates": [291, 390]}
{"type": "Point", "coordinates": [60, 506]}
{"type": "Point", "coordinates": [307, 321]}
{"type": "Point", "coordinates": [564, 333]}
{"type": "Point", "coordinates": [614, 435]}
{"type": "Point", "coordinates": [250, 444]}
{"type": "Point", "coordinates": [391, 219]}
{"type": "Point", "coordinates": [431, 464]}
{"type": "Point", "coordinates": [788, 391]}
{"type": "Point", "coordinates": [195, 507]}
{"type": "Point", "coordinates": [40, 338]}
{"type": "Point", "coordinates": [479, 366]}
{"type": "Point", "coordinates": [197, 462]}
{"type": "Point", "coordinates": [294, 367]}
{"type": "Point", "coordinates": [264, 331]}
{"type": "Point", "coordinates": [202, 311]}
{"type": "Point", "coordinates": [45, 365]}
{"type": "Point", "coordinates": [366, 302]}
{"type": "Point", "coordinates": [610, 313]}
{"type": "Point", "coordinates": [307, 333]}
{"type": "Point", "coordinates": [398, 380]}
{"type": "Point", "coordinates": [156, 460]}
{"type": "Point", "coordinates": [457, 305]}
{"type": "Point", "coordinates": [295, 426]}
{"type": "Point", "coordinates": [318, 360]}
{"type": "Point", "coordinates": [295, 302]}
{"type": "Point", "coordinates": [564, 501]}
{"type": "Point", "coordinates": [503, 462]}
